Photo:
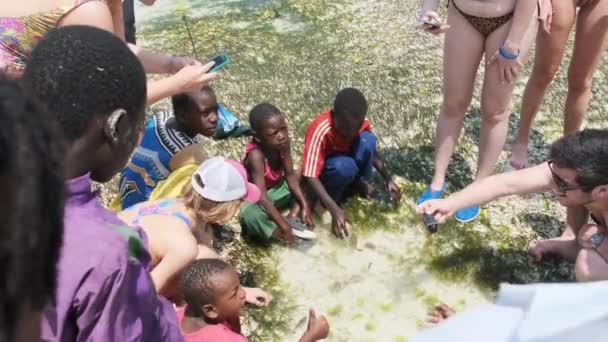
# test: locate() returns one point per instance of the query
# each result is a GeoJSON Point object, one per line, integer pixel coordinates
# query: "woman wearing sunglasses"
{"type": "Point", "coordinates": [577, 172]}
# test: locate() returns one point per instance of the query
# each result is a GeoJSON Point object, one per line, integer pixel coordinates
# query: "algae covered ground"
{"type": "Point", "coordinates": [297, 54]}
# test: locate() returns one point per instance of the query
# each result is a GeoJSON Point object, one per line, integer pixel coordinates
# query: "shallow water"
{"type": "Point", "coordinates": [297, 54]}
{"type": "Point", "coordinates": [370, 289]}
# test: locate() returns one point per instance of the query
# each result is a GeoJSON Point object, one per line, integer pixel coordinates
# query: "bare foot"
{"type": "Point", "coordinates": [294, 211]}
{"type": "Point", "coordinates": [519, 157]}
{"type": "Point", "coordinates": [566, 248]}
{"type": "Point", "coordinates": [440, 313]}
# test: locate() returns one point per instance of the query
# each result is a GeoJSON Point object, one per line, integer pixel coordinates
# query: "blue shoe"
{"type": "Point", "coordinates": [429, 194]}
{"type": "Point", "coordinates": [467, 214]}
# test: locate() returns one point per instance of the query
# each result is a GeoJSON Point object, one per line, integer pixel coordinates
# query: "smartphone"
{"type": "Point", "coordinates": [430, 222]}
{"type": "Point", "coordinates": [220, 61]}
{"type": "Point", "coordinates": [430, 22]}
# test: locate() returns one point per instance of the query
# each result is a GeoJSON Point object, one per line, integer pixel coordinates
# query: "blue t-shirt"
{"type": "Point", "coordinates": [150, 161]}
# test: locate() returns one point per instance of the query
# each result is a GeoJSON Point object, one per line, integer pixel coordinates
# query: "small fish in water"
{"type": "Point", "coordinates": [300, 323]}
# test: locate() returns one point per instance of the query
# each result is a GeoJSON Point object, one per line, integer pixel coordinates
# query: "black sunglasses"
{"type": "Point", "coordinates": [562, 185]}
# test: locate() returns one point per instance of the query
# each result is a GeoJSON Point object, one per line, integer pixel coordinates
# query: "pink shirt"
{"type": "Point", "coordinates": [211, 333]}
{"type": "Point", "coordinates": [272, 177]}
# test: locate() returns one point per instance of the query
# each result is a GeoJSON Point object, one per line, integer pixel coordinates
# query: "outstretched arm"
{"type": "Point", "coordinates": [530, 180]}
{"type": "Point", "coordinates": [392, 188]}
{"type": "Point", "coordinates": [177, 248]}
{"type": "Point", "coordinates": [293, 181]}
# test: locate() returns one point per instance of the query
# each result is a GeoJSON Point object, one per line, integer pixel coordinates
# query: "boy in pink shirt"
{"type": "Point", "coordinates": [214, 299]}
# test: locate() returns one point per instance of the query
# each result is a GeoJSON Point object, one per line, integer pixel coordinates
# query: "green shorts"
{"type": "Point", "coordinates": [255, 222]}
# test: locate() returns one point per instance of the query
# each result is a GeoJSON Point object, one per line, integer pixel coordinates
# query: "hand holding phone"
{"type": "Point", "coordinates": [430, 21]}
{"type": "Point", "coordinates": [219, 61]}
{"type": "Point", "coordinates": [430, 222]}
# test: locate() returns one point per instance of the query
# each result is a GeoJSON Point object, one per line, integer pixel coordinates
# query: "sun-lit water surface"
{"type": "Point", "coordinates": [296, 54]}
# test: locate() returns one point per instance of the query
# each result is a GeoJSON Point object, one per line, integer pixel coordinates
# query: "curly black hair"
{"type": "Point", "coordinates": [182, 103]}
{"type": "Point", "coordinates": [586, 152]}
{"type": "Point", "coordinates": [350, 103]}
{"type": "Point", "coordinates": [31, 205]}
{"type": "Point", "coordinates": [81, 71]}
{"type": "Point", "coordinates": [197, 283]}
{"type": "Point", "coordinates": [260, 114]}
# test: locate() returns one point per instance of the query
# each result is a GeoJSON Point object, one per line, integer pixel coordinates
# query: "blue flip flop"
{"type": "Point", "coordinates": [467, 214]}
{"type": "Point", "coordinates": [429, 194]}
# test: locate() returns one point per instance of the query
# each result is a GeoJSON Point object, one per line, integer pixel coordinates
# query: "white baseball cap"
{"type": "Point", "coordinates": [224, 180]}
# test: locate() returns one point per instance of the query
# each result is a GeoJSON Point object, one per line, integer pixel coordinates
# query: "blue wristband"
{"type": "Point", "coordinates": [507, 55]}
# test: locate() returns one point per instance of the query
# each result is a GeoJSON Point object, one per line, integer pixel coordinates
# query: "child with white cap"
{"type": "Point", "coordinates": [179, 229]}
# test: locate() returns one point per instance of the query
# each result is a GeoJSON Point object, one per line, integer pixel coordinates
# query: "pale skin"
{"type": "Point", "coordinates": [463, 50]}
{"type": "Point", "coordinates": [186, 74]}
{"type": "Point", "coordinates": [591, 40]}
{"type": "Point", "coordinates": [590, 264]}
{"type": "Point", "coordinates": [174, 245]}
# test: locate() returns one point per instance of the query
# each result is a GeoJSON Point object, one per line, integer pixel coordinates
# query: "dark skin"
{"type": "Point", "coordinates": [274, 140]}
{"type": "Point", "coordinates": [348, 127]}
{"type": "Point", "coordinates": [229, 299]}
{"type": "Point", "coordinates": [200, 117]}
{"type": "Point", "coordinates": [228, 302]}
{"type": "Point", "coordinates": [104, 149]}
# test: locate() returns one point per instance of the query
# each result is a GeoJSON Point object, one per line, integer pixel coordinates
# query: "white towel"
{"type": "Point", "coordinates": [569, 312]}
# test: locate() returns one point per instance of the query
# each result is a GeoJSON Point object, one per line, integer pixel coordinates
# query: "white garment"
{"type": "Point", "coordinates": [569, 312]}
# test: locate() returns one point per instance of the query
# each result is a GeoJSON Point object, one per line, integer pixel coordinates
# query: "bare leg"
{"type": "Point", "coordinates": [590, 266]}
{"type": "Point", "coordinates": [496, 101]}
{"type": "Point", "coordinates": [591, 40]}
{"type": "Point", "coordinates": [548, 56]}
{"type": "Point", "coordinates": [463, 49]}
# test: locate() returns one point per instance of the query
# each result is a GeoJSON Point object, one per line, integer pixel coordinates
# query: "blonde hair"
{"type": "Point", "coordinates": [206, 210]}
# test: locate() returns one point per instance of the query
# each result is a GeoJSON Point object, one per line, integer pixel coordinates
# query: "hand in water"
{"type": "Point", "coordinates": [318, 327]}
{"type": "Point", "coordinates": [439, 208]}
{"type": "Point", "coordinates": [306, 216]}
{"type": "Point", "coordinates": [257, 296]}
{"type": "Point", "coordinates": [339, 222]}
{"type": "Point", "coordinates": [394, 191]}
{"type": "Point", "coordinates": [440, 313]}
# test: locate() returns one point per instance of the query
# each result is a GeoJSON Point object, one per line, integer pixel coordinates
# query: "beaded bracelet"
{"type": "Point", "coordinates": [507, 55]}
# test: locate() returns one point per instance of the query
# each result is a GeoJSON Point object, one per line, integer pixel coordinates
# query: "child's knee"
{"type": "Point", "coordinates": [368, 140]}
{"type": "Point", "coordinates": [344, 170]}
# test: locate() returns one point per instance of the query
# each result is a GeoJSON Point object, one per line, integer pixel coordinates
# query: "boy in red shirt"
{"type": "Point", "coordinates": [214, 300]}
{"type": "Point", "coordinates": [339, 151]}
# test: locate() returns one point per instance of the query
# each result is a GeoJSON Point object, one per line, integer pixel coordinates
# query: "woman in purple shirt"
{"type": "Point", "coordinates": [95, 88]}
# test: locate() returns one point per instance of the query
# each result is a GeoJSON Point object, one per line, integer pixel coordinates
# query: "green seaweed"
{"type": "Point", "coordinates": [370, 326]}
{"type": "Point", "coordinates": [335, 310]}
{"type": "Point", "coordinates": [374, 46]}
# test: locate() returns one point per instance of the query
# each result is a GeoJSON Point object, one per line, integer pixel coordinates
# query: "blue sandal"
{"type": "Point", "coordinates": [430, 194]}
{"type": "Point", "coordinates": [467, 214]}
